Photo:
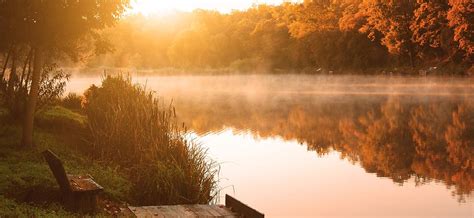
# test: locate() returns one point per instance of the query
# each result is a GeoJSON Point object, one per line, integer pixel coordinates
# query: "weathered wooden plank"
{"type": "Point", "coordinates": [208, 209]}
{"type": "Point", "coordinates": [175, 211]}
{"type": "Point", "coordinates": [140, 212]}
{"type": "Point", "coordinates": [223, 210]}
{"type": "Point", "coordinates": [200, 212]}
{"type": "Point", "coordinates": [213, 211]}
{"type": "Point", "coordinates": [186, 211]}
{"type": "Point", "coordinates": [241, 208]}
{"type": "Point", "coordinates": [190, 209]}
{"type": "Point", "coordinates": [56, 166]}
{"type": "Point", "coordinates": [126, 212]}
{"type": "Point", "coordinates": [158, 211]}
{"type": "Point", "coordinates": [171, 211]}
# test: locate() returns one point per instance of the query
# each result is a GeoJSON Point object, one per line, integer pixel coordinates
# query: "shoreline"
{"type": "Point", "coordinates": [457, 71]}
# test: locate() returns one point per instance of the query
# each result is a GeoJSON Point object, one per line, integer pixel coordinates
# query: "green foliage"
{"type": "Point", "coordinates": [59, 118]}
{"type": "Point", "coordinates": [184, 177]}
{"type": "Point", "coordinates": [59, 26]}
{"type": "Point", "coordinates": [11, 208]}
{"type": "Point", "coordinates": [132, 128]}
{"type": "Point", "coordinates": [50, 31]}
{"type": "Point", "coordinates": [52, 86]}
{"type": "Point", "coordinates": [72, 101]}
{"type": "Point", "coordinates": [21, 170]}
{"type": "Point", "coordinates": [27, 186]}
{"type": "Point", "coordinates": [53, 83]}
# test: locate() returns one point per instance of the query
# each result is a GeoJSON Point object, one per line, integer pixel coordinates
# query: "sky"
{"type": "Point", "coordinates": [149, 7]}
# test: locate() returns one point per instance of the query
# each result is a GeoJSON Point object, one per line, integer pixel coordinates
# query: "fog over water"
{"type": "Point", "coordinates": [298, 84]}
{"type": "Point", "coordinates": [301, 145]}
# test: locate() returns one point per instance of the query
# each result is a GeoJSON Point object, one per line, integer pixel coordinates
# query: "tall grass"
{"type": "Point", "coordinates": [131, 127]}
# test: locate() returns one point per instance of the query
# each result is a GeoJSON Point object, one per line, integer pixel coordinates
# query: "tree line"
{"type": "Point", "coordinates": [313, 36]}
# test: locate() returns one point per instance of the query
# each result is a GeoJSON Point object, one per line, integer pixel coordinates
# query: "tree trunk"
{"type": "Point", "coordinates": [27, 62]}
{"type": "Point", "coordinates": [28, 74]}
{"type": "Point", "coordinates": [12, 79]}
{"type": "Point", "coordinates": [5, 64]}
{"type": "Point", "coordinates": [412, 57]}
{"type": "Point", "coordinates": [28, 122]}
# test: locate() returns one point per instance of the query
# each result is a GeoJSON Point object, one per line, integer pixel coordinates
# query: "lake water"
{"type": "Point", "coordinates": [332, 146]}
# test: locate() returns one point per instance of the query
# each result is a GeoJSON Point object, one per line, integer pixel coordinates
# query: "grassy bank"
{"type": "Point", "coordinates": [27, 185]}
{"type": "Point", "coordinates": [128, 141]}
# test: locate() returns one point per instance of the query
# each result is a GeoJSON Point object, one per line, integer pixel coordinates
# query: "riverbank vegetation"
{"type": "Point", "coordinates": [131, 127]}
{"type": "Point", "coordinates": [27, 186]}
{"type": "Point", "coordinates": [315, 37]}
{"type": "Point", "coordinates": [138, 151]}
{"type": "Point", "coordinates": [122, 135]}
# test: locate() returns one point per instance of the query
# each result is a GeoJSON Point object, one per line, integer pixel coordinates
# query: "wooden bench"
{"type": "Point", "coordinates": [79, 192]}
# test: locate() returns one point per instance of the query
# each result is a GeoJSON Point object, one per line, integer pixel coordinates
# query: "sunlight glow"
{"type": "Point", "coordinates": [148, 7]}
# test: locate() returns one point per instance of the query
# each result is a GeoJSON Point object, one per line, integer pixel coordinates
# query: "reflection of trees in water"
{"type": "Point", "coordinates": [379, 140]}
{"type": "Point", "coordinates": [432, 141]}
{"type": "Point", "coordinates": [395, 138]}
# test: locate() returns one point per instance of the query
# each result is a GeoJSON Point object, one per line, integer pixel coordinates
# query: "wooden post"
{"type": "Point", "coordinates": [241, 208]}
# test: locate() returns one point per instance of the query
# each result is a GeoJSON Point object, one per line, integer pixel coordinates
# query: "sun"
{"type": "Point", "coordinates": [148, 7]}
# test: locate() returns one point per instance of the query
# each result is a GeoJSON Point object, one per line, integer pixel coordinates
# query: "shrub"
{"type": "Point", "coordinates": [72, 101]}
{"type": "Point", "coordinates": [52, 86]}
{"type": "Point", "coordinates": [132, 128]}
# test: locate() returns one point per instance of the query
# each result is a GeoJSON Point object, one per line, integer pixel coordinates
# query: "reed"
{"type": "Point", "coordinates": [131, 127]}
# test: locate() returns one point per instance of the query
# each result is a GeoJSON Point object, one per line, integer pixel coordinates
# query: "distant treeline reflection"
{"type": "Point", "coordinates": [397, 137]}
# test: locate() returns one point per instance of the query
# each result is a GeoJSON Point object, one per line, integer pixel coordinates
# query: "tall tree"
{"type": "Point", "coordinates": [54, 28]}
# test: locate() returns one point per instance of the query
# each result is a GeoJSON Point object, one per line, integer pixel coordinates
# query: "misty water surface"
{"type": "Point", "coordinates": [332, 145]}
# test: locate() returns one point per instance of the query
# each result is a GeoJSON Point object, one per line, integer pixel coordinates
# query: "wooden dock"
{"type": "Point", "coordinates": [233, 208]}
{"type": "Point", "coordinates": [183, 211]}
